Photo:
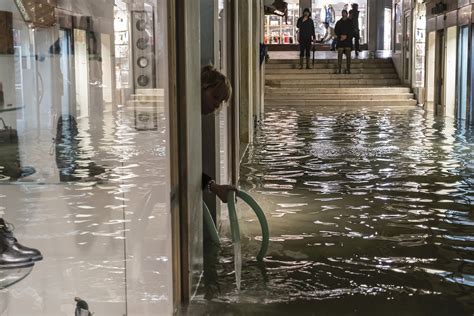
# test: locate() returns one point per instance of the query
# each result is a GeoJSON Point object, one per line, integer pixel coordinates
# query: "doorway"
{"type": "Point", "coordinates": [439, 86]}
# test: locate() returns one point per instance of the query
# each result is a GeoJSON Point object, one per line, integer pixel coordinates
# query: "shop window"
{"type": "Point", "coordinates": [279, 30]}
{"type": "Point", "coordinates": [330, 11]}
{"type": "Point", "coordinates": [84, 157]}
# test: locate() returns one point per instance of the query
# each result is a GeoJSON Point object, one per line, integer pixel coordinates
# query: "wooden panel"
{"type": "Point", "coordinates": [6, 33]}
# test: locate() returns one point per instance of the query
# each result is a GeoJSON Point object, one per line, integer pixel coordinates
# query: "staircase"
{"type": "Point", "coordinates": [373, 82]}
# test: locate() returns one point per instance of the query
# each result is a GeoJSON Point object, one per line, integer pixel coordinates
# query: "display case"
{"type": "Point", "coordinates": [277, 31]}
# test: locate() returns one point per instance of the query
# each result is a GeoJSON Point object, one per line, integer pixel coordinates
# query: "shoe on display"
{"type": "Point", "coordinates": [6, 236]}
{"type": "Point", "coordinates": [10, 258]}
{"type": "Point", "coordinates": [82, 308]}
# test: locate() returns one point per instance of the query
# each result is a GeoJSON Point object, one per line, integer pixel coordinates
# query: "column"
{"type": "Point", "coordinates": [245, 62]}
{"type": "Point", "coordinates": [210, 123]}
{"type": "Point", "coordinates": [188, 64]}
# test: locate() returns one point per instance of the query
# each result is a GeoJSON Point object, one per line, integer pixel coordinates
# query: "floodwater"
{"type": "Point", "coordinates": [370, 213]}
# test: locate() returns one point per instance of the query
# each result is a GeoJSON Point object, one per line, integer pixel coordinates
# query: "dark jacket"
{"type": "Point", "coordinates": [355, 19]}
{"type": "Point", "coordinates": [306, 30]}
{"type": "Point", "coordinates": [344, 27]}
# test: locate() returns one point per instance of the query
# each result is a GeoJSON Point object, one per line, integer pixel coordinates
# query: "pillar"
{"type": "Point", "coordinates": [188, 65]}
{"type": "Point", "coordinates": [245, 62]}
{"type": "Point", "coordinates": [210, 123]}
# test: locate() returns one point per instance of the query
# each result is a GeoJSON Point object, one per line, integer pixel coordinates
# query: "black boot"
{"type": "Point", "coordinates": [6, 233]}
{"type": "Point", "coordinates": [10, 258]}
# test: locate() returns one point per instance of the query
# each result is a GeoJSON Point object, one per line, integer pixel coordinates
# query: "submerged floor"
{"type": "Point", "coordinates": [370, 213]}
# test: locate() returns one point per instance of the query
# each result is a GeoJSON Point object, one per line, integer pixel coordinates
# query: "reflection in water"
{"type": "Point", "coordinates": [361, 203]}
{"type": "Point", "coordinates": [9, 277]}
{"type": "Point", "coordinates": [92, 231]}
{"type": "Point", "coordinates": [71, 163]}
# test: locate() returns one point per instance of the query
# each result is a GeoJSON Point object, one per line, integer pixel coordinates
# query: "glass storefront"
{"type": "Point", "coordinates": [277, 31]}
{"type": "Point", "coordinates": [330, 11]}
{"type": "Point", "coordinates": [84, 157]}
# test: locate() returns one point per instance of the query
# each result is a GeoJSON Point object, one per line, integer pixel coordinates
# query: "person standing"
{"type": "Point", "coordinates": [344, 31]}
{"type": "Point", "coordinates": [354, 16]}
{"type": "Point", "coordinates": [305, 36]}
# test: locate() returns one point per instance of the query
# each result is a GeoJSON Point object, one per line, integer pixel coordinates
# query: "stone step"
{"type": "Point", "coordinates": [317, 71]}
{"type": "Point", "coordinates": [306, 76]}
{"type": "Point", "coordinates": [282, 83]}
{"type": "Point", "coordinates": [331, 60]}
{"type": "Point", "coordinates": [319, 97]}
{"type": "Point", "coordinates": [369, 103]}
{"type": "Point", "coordinates": [338, 90]}
{"type": "Point", "coordinates": [332, 66]}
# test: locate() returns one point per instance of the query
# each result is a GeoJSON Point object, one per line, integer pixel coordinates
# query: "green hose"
{"type": "Point", "coordinates": [209, 222]}
{"type": "Point", "coordinates": [261, 218]}
{"type": "Point", "coordinates": [234, 222]}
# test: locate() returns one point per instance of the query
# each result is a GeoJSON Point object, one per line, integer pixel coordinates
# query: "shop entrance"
{"type": "Point", "coordinates": [439, 82]}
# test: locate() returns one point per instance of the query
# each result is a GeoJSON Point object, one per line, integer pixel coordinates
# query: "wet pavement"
{"type": "Point", "coordinates": [370, 213]}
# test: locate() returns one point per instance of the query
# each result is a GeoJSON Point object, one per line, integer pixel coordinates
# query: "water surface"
{"type": "Point", "coordinates": [370, 212]}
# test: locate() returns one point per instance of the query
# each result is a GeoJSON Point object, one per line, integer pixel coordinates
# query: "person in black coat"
{"type": "Point", "coordinates": [305, 36]}
{"type": "Point", "coordinates": [345, 32]}
{"type": "Point", "coordinates": [354, 16]}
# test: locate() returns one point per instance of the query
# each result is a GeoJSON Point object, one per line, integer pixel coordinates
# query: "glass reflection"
{"type": "Point", "coordinates": [83, 155]}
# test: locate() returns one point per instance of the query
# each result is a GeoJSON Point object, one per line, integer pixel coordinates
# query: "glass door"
{"type": "Point", "coordinates": [463, 55]}
{"type": "Point", "coordinates": [88, 185]}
